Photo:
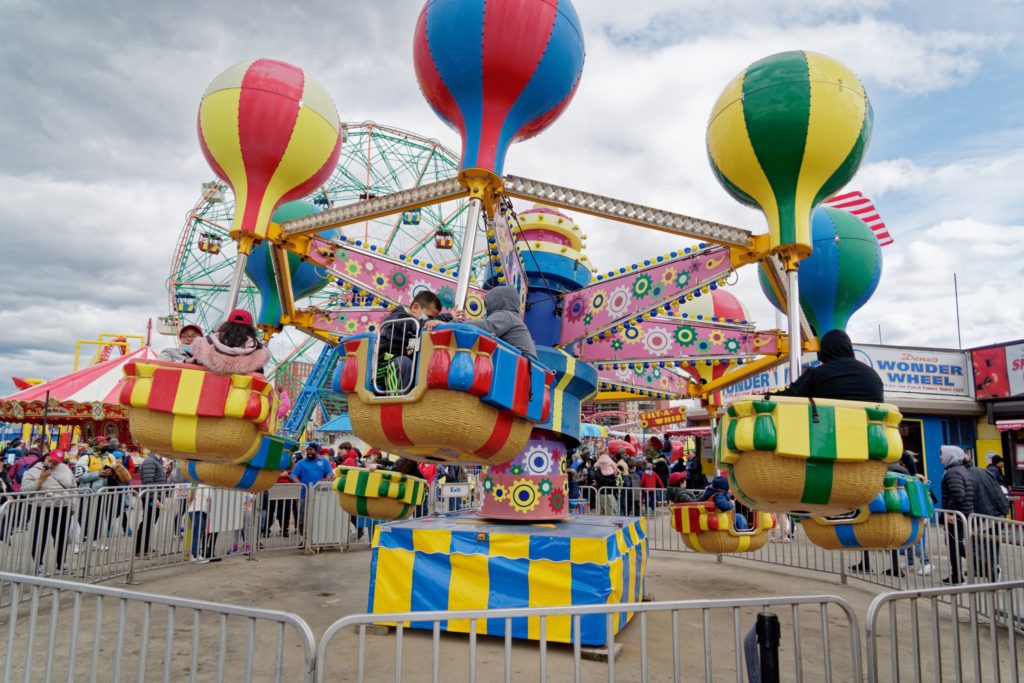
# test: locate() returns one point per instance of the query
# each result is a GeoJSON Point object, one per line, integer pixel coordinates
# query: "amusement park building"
{"type": "Point", "coordinates": [999, 386]}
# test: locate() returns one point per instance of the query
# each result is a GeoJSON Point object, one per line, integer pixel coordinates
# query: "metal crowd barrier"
{"type": "Point", "coordinates": [58, 630]}
{"type": "Point", "coordinates": [924, 565]}
{"type": "Point", "coordinates": [968, 632]}
{"type": "Point", "coordinates": [995, 550]}
{"type": "Point", "coordinates": [705, 639]}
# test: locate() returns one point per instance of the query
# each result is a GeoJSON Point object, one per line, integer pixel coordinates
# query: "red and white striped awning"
{"type": "Point", "coordinates": [862, 207]}
{"type": "Point", "coordinates": [1009, 425]}
{"type": "Point", "coordinates": [96, 383]}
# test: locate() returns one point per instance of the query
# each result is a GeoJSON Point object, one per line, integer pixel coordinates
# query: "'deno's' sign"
{"type": "Point", "coordinates": [663, 418]}
{"type": "Point", "coordinates": [905, 371]}
{"type": "Point", "coordinates": [918, 371]}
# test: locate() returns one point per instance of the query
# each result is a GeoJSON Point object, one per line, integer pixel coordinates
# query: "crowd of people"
{"type": "Point", "coordinates": [649, 478]}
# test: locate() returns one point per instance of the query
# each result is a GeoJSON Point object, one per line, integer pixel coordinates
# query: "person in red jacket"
{"type": "Point", "coordinates": [650, 482]}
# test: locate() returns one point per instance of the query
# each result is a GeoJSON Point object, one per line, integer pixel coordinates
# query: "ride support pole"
{"type": "Point", "coordinates": [476, 207]}
{"type": "Point", "coordinates": [769, 634]}
{"type": "Point", "coordinates": [793, 322]}
{"type": "Point", "coordinates": [245, 244]}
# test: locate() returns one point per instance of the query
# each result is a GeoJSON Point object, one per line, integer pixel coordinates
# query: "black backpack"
{"type": "Point", "coordinates": [989, 498]}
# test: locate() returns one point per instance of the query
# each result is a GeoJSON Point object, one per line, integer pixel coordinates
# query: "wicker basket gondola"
{"type": "Point", "coordinates": [805, 456]}
{"type": "Point", "coordinates": [705, 529]}
{"type": "Point", "coordinates": [378, 494]}
{"type": "Point", "coordinates": [182, 411]}
{"type": "Point", "coordinates": [896, 518]}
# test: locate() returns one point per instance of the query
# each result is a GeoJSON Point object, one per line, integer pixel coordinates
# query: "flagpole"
{"type": "Point", "coordinates": [956, 300]}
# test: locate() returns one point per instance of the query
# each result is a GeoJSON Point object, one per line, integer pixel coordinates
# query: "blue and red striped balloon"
{"type": "Point", "coordinates": [497, 71]}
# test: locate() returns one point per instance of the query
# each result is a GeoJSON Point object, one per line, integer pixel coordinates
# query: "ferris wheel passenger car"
{"type": "Point", "coordinates": [474, 399]}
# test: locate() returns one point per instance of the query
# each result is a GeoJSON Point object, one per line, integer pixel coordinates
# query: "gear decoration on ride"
{"type": "Point", "coordinates": [896, 518]}
{"type": "Point", "coordinates": [497, 71]}
{"type": "Point", "coordinates": [807, 456]}
{"type": "Point", "coordinates": [272, 133]}
{"type": "Point", "coordinates": [785, 134]}
{"type": "Point", "coordinates": [706, 529]}
{"type": "Point", "coordinates": [182, 411]}
{"type": "Point", "coordinates": [842, 273]}
{"type": "Point", "coordinates": [488, 393]}
{"type": "Point", "coordinates": [532, 486]}
{"type": "Point", "coordinates": [378, 494]}
{"type": "Point", "coordinates": [306, 277]}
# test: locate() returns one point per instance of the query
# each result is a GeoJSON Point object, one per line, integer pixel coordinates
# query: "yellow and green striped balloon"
{"type": "Point", "coordinates": [785, 134]}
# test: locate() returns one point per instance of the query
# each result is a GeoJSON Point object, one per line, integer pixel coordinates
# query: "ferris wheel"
{"type": "Point", "coordinates": [375, 160]}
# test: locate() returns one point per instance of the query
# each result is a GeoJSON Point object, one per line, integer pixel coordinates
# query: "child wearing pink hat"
{"type": "Point", "coordinates": [234, 349]}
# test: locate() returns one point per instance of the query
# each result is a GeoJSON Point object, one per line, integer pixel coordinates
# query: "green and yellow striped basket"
{"type": "Point", "coordinates": [805, 456]}
{"type": "Point", "coordinates": [378, 494]}
{"type": "Point", "coordinates": [896, 518]}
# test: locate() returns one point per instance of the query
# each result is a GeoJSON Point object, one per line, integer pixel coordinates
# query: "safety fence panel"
{"type": "Point", "coordinates": [959, 633]}
{"type": "Point", "coordinates": [57, 630]}
{"type": "Point", "coordinates": [326, 524]}
{"type": "Point", "coordinates": [277, 518]}
{"type": "Point", "coordinates": [651, 504]}
{"type": "Point", "coordinates": [938, 556]}
{"type": "Point", "coordinates": [693, 639]}
{"type": "Point", "coordinates": [78, 534]}
{"type": "Point", "coordinates": [995, 549]}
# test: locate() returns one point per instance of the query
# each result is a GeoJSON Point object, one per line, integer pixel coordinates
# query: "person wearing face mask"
{"type": "Point", "coordinates": [398, 329]}
{"type": "Point", "coordinates": [183, 352]}
{"type": "Point", "coordinates": [53, 479]}
{"type": "Point", "coordinates": [309, 471]}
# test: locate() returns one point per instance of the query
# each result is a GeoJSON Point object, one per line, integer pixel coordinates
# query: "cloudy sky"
{"type": "Point", "coordinates": [99, 159]}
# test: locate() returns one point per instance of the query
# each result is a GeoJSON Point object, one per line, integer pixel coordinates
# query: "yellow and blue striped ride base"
{"type": "Point", "coordinates": [461, 562]}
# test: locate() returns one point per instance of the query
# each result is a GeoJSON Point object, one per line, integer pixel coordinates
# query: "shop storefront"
{"type": "Point", "coordinates": [999, 386]}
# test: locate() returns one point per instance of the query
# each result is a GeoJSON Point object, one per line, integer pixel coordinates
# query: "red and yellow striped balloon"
{"type": "Point", "coordinates": [272, 133]}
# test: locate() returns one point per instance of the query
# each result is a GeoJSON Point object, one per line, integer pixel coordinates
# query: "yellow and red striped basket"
{"type": "Point", "coordinates": [183, 411]}
{"type": "Point", "coordinates": [705, 529]}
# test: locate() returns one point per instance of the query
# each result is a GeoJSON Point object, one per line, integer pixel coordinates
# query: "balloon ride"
{"type": "Point", "coordinates": [785, 134]}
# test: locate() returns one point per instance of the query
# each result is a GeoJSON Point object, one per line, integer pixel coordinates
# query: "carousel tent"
{"type": "Point", "coordinates": [85, 398]}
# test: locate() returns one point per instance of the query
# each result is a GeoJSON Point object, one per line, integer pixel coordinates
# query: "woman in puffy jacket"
{"type": "Point", "coordinates": [957, 495]}
{"type": "Point", "coordinates": [234, 349]}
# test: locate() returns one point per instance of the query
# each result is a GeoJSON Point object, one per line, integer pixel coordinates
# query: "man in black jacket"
{"type": "Point", "coordinates": [989, 500]}
{"type": "Point", "coordinates": [958, 496]}
{"type": "Point", "coordinates": [399, 328]}
{"type": "Point", "coordinates": [840, 375]}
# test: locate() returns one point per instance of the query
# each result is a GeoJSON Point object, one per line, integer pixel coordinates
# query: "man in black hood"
{"type": "Point", "coordinates": [840, 375]}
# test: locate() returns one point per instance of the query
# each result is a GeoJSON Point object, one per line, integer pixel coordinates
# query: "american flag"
{"type": "Point", "coordinates": [861, 207]}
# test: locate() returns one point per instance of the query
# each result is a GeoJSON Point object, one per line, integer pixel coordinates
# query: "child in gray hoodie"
{"type": "Point", "coordinates": [503, 319]}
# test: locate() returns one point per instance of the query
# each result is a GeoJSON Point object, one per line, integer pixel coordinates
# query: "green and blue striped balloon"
{"type": "Point", "coordinates": [842, 273]}
{"type": "Point", "coordinates": [786, 133]}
